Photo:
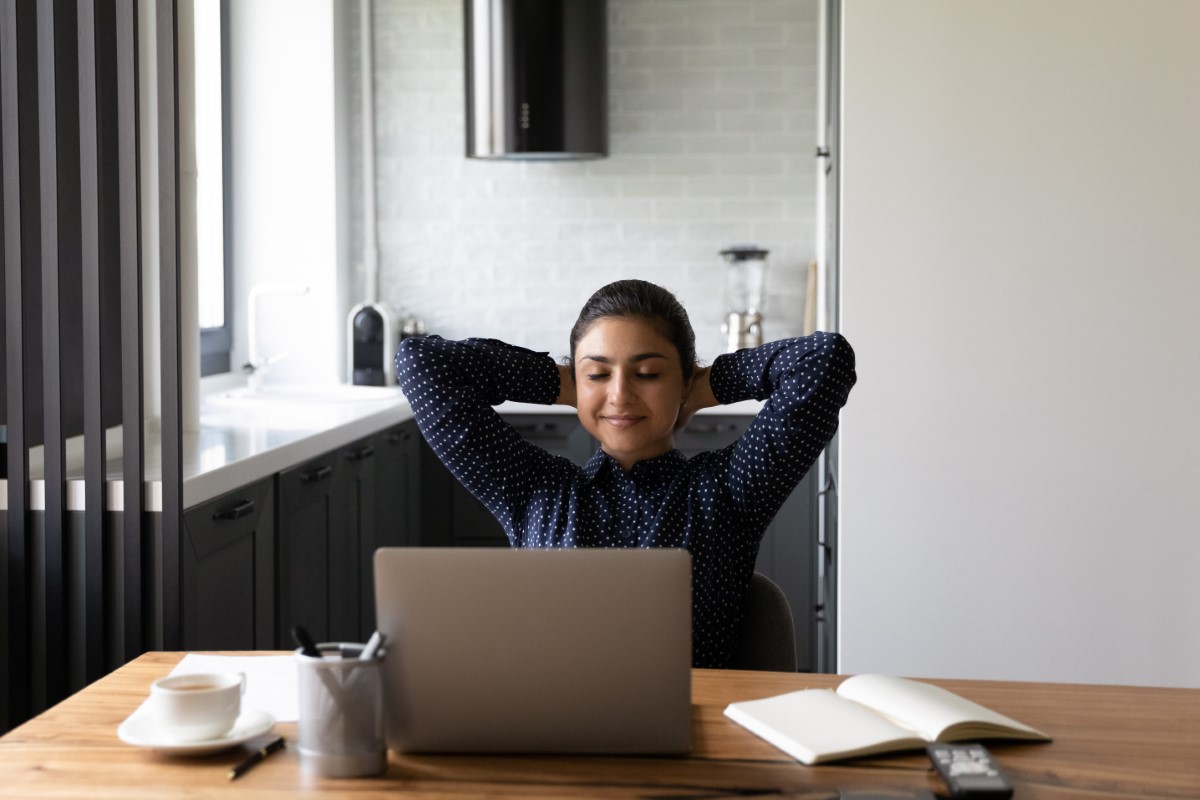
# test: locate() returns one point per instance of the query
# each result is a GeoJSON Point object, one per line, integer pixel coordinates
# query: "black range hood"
{"type": "Point", "coordinates": [536, 79]}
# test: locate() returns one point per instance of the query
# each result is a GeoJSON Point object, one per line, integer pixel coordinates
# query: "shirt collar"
{"type": "Point", "coordinates": [660, 467]}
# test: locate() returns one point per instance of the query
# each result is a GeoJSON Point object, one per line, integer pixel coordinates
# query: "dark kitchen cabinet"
{"type": "Point", "coordinates": [355, 494]}
{"type": "Point", "coordinates": [334, 511]}
{"type": "Point", "coordinates": [296, 547]}
{"type": "Point", "coordinates": [228, 571]}
{"type": "Point", "coordinates": [325, 505]}
{"type": "Point", "coordinates": [309, 525]}
{"type": "Point", "coordinates": [397, 505]}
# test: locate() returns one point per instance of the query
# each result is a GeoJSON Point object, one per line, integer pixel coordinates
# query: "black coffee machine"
{"type": "Point", "coordinates": [372, 340]}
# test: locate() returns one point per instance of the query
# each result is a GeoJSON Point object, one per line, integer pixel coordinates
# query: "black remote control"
{"type": "Point", "coordinates": [969, 771]}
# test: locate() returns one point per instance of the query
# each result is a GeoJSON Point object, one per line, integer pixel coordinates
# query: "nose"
{"type": "Point", "coordinates": [619, 388]}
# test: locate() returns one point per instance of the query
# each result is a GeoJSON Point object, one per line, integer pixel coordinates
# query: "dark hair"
{"type": "Point", "coordinates": [645, 300]}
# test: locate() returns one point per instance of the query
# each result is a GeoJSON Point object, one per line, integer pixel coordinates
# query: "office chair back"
{"type": "Point", "coordinates": [768, 636]}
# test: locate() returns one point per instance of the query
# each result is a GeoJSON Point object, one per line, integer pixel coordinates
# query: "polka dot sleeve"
{"type": "Point", "coordinates": [805, 382]}
{"type": "Point", "coordinates": [452, 387]}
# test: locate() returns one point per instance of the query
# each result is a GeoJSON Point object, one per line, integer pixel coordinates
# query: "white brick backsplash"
{"type": "Point", "coordinates": [622, 143]}
{"type": "Point", "coordinates": [632, 59]}
{"type": "Point", "coordinates": [673, 80]}
{"type": "Point", "coordinates": [718, 100]}
{"type": "Point", "coordinates": [746, 164]}
{"type": "Point", "coordinates": [776, 56]}
{"type": "Point", "coordinates": [784, 11]}
{"type": "Point", "coordinates": [685, 122]}
{"type": "Point", "coordinates": [753, 122]}
{"type": "Point", "coordinates": [751, 35]}
{"type": "Point", "coordinates": [712, 128]}
{"type": "Point", "coordinates": [719, 144]}
{"type": "Point", "coordinates": [656, 187]}
{"type": "Point", "coordinates": [717, 58]}
{"type": "Point", "coordinates": [712, 186]}
{"type": "Point", "coordinates": [690, 34]}
{"type": "Point", "coordinates": [687, 209]}
{"type": "Point", "coordinates": [650, 232]}
{"type": "Point", "coordinates": [646, 101]}
{"type": "Point", "coordinates": [691, 166]}
{"type": "Point", "coordinates": [622, 209]}
{"type": "Point", "coordinates": [751, 80]}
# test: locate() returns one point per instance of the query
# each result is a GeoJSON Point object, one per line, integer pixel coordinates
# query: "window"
{"type": "Point", "coordinates": [212, 239]}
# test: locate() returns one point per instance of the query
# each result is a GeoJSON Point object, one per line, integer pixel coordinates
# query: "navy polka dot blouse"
{"type": "Point", "coordinates": [717, 504]}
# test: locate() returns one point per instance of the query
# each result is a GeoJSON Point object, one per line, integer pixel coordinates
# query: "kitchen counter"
{"type": "Point", "coordinates": [236, 446]}
{"type": "Point", "coordinates": [222, 457]}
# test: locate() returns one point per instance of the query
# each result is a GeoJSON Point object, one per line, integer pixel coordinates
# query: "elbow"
{"type": "Point", "coordinates": [409, 359]}
{"type": "Point", "coordinates": [842, 359]}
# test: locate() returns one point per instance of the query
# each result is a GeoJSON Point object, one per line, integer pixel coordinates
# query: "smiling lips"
{"type": "Point", "coordinates": [622, 420]}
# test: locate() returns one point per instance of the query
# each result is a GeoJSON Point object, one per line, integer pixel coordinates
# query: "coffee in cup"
{"type": "Point", "coordinates": [192, 708]}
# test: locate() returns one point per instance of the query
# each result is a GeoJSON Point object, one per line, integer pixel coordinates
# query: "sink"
{"type": "Point", "coordinates": [295, 406]}
{"type": "Point", "coordinates": [302, 395]}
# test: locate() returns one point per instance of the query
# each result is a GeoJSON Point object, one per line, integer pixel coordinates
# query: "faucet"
{"type": "Point", "coordinates": [255, 367]}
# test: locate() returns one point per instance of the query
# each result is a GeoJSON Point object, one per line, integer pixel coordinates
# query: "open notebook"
{"type": "Point", "coordinates": [871, 714]}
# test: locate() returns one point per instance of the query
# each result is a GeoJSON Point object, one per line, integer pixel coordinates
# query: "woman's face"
{"type": "Point", "coordinates": [628, 388]}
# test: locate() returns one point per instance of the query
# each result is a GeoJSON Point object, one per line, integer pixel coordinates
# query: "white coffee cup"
{"type": "Point", "coordinates": [192, 708]}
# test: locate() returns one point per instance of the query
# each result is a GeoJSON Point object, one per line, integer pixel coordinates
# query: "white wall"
{"type": "Point", "coordinates": [712, 106]}
{"type": "Point", "coordinates": [1019, 259]}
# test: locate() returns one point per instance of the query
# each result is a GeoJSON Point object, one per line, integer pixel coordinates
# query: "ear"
{"type": "Point", "coordinates": [687, 385]}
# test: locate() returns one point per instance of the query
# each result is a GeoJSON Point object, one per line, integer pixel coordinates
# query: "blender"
{"type": "Point", "coordinates": [745, 277]}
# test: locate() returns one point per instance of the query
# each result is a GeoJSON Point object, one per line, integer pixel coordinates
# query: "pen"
{"type": "Point", "coordinates": [255, 757]}
{"type": "Point", "coordinates": [300, 634]}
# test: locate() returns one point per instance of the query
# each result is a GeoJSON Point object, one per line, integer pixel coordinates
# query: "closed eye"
{"type": "Point", "coordinates": [648, 376]}
{"type": "Point", "coordinates": [597, 376]}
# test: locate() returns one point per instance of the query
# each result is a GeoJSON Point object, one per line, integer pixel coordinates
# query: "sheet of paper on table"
{"type": "Point", "coordinates": [270, 680]}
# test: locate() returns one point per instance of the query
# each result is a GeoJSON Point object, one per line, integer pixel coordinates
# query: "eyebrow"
{"type": "Point", "coordinates": [633, 359]}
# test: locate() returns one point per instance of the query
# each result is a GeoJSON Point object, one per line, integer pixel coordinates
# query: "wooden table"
{"type": "Point", "coordinates": [1109, 742]}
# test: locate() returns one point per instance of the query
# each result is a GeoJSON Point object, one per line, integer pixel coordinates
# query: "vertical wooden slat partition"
{"type": "Point", "coordinates": [168, 236]}
{"type": "Point", "coordinates": [14, 621]}
{"type": "Point", "coordinates": [49, 650]}
{"type": "Point", "coordinates": [133, 622]}
{"type": "Point", "coordinates": [80, 594]}
{"type": "Point", "coordinates": [96, 234]}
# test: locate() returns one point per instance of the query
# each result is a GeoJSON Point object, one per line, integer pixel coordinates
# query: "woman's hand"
{"type": "Point", "coordinates": [566, 387]}
{"type": "Point", "coordinates": [699, 395]}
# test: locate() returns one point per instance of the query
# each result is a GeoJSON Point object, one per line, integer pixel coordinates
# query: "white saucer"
{"type": "Point", "coordinates": [140, 730]}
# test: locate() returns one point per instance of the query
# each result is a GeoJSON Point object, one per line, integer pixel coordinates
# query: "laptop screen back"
{"type": "Point", "coordinates": [541, 650]}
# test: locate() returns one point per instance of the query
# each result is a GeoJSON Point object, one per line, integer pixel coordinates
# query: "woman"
{"type": "Point", "coordinates": [633, 378]}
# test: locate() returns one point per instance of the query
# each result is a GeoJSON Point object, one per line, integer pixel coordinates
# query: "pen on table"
{"type": "Point", "coordinates": [255, 757]}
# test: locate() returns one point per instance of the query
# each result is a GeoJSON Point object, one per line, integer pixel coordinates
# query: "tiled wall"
{"type": "Point", "coordinates": [712, 106]}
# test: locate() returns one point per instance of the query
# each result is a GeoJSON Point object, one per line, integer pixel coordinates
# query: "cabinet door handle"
{"type": "Point", "coordinates": [318, 474]}
{"type": "Point", "coordinates": [242, 509]}
{"type": "Point", "coordinates": [396, 437]}
{"type": "Point", "coordinates": [361, 453]}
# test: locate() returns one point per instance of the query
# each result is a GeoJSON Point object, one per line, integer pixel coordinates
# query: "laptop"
{"type": "Point", "coordinates": [536, 651]}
